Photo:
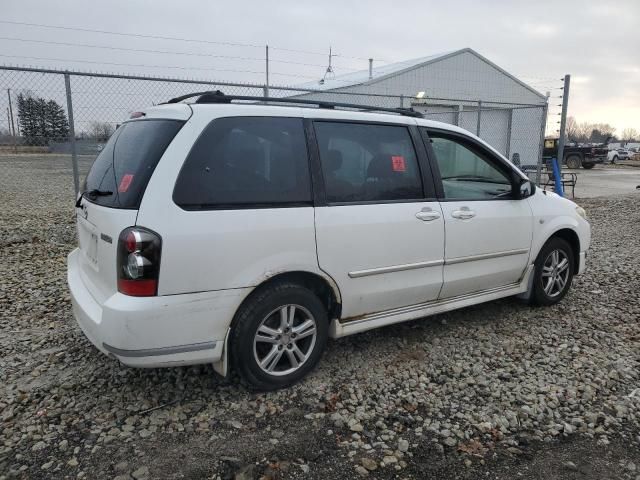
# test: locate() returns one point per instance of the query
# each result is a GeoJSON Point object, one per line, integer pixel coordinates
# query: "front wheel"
{"type": "Point", "coordinates": [554, 270]}
{"type": "Point", "coordinates": [614, 159]}
{"type": "Point", "coordinates": [278, 336]}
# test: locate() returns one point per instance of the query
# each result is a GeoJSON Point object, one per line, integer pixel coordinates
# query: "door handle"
{"type": "Point", "coordinates": [463, 214]}
{"type": "Point", "coordinates": [427, 215]}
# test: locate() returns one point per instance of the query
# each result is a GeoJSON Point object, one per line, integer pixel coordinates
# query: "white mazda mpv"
{"type": "Point", "coordinates": [244, 233]}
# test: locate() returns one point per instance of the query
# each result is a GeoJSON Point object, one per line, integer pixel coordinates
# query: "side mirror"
{"type": "Point", "coordinates": [526, 188]}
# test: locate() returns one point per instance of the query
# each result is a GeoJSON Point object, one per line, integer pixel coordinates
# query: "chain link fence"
{"type": "Point", "coordinates": [54, 123]}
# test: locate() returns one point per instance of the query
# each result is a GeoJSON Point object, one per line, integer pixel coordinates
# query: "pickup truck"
{"type": "Point", "coordinates": [575, 156]}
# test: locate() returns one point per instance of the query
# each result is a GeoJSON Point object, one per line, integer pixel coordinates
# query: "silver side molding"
{"type": "Point", "coordinates": [395, 268]}
{"type": "Point", "coordinates": [435, 263]}
{"type": "Point", "coordinates": [486, 256]}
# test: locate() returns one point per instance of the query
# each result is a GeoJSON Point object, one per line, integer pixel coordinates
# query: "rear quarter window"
{"type": "Point", "coordinates": [127, 162]}
{"type": "Point", "coordinates": [246, 162]}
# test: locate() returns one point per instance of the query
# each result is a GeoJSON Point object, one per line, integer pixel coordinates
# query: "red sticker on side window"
{"type": "Point", "coordinates": [397, 163]}
{"type": "Point", "coordinates": [125, 182]}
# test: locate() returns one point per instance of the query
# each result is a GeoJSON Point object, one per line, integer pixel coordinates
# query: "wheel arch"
{"type": "Point", "coordinates": [572, 238]}
{"type": "Point", "coordinates": [324, 287]}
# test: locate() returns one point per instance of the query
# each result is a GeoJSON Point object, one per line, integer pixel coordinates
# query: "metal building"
{"type": "Point", "coordinates": [460, 87]}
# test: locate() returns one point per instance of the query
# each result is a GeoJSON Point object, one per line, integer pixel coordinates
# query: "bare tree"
{"type": "Point", "coordinates": [573, 130]}
{"type": "Point", "coordinates": [630, 135]}
{"type": "Point", "coordinates": [101, 131]}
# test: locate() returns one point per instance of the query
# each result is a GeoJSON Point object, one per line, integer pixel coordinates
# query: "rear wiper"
{"type": "Point", "coordinates": [93, 193]}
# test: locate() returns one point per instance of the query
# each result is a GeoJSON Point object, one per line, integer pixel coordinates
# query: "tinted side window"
{"type": "Point", "coordinates": [362, 162]}
{"type": "Point", "coordinates": [467, 173]}
{"type": "Point", "coordinates": [246, 161]}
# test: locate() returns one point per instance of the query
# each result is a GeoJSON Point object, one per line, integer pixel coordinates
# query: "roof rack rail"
{"type": "Point", "coordinates": [218, 97]}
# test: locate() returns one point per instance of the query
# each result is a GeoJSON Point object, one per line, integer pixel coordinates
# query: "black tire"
{"type": "Point", "coordinates": [261, 307]}
{"type": "Point", "coordinates": [588, 166]}
{"type": "Point", "coordinates": [614, 159]}
{"type": "Point", "coordinates": [573, 161]}
{"type": "Point", "coordinates": [540, 296]}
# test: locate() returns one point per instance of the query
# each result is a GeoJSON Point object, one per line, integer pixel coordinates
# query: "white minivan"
{"type": "Point", "coordinates": [242, 232]}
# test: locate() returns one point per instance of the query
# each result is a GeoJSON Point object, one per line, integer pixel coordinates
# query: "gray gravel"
{"type": "Point", "coordinates": [492, 388]}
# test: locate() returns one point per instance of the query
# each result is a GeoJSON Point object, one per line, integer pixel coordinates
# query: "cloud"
{"type": "Point", "coordinates": [542, 40]}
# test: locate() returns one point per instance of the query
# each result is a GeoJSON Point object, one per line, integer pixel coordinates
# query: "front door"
{"type": "Point", "coordinates": [488, 232]}
{"type": "Point", "coordinates": [379, 236]}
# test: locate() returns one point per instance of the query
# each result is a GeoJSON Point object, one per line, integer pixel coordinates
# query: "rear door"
{"type": "Point", "coordinates": [380, 232]}
{"type": "Point", "coordinates": [112, 194]}
{"type": "Point", "coordinates": [488, 232]}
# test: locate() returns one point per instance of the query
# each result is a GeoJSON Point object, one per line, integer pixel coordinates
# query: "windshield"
{"type": "Point", "coordinates": [119, 175]}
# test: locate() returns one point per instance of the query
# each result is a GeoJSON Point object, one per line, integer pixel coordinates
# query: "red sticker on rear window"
{"type": "Point", "coordinates": [397, 163]}
{"type": "Point", "coordinates": [125, 182]}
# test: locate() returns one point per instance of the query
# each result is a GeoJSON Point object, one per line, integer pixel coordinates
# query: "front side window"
{"type": "Point", "coordinates": [368, 162]}
{"type": "Point", "coordinates": [466, 171]}
{"type": "Point", "coordinates": [246, 161]}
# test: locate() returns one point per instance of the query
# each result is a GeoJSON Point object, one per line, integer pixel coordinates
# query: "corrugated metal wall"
{"type": "Point", "coordinates": [459, 82]}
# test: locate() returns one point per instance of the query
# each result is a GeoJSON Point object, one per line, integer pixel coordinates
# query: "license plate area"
{"type": "Point", "coordinates": [88, 240]}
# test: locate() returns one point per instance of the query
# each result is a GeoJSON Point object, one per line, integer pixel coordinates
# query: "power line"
{"type": "Point", "coordinates": [144, 50]}
{"type": "Point", "coordinates": [324, 54]}
{"type": "Point", "coordinates": [153, 66]}
{"type": "Point", "coordinates": [161, 37]}
{"type": "Point", "coordinates": [139, 35]}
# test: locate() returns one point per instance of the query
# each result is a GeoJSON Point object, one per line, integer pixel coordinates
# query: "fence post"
{"type": "Point", "coordinates": [543, 129]}
{"type": "Point", "coordinates": [509, 125]}
{"type": "Point", "coordinates": [458, 114]}
{"type": "Point", "coordinates": [563, 120]}
{"type": "Point", "coordinates": [266, 71]}
{"type": "Point", "coordinates": [401, 101]}
{"type": "Point", "coordinates": [72, 134]}
{"type": "Point", "coordinates": [479, 117]}
{"type": "Point", "coordinates": [12, 127]}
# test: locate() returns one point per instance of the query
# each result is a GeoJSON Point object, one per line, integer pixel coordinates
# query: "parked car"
{"type": "Point", "coordinates": [575, 155]}
{"type": "Point", "coordinates": [618, 154]}
{"type": "Point", "coordinates": [247, 234]}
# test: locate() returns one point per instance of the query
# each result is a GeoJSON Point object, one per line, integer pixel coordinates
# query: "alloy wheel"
{"type": "Point", "coordinates": [555, 273]}
{"type": "Point", "coordinates": [284, 340]}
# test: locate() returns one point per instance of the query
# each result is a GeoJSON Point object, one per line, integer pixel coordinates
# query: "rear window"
{"type": "Point", "coordinates": [246, 162]}
{"type": "Point", "coordinates": [127, 162]}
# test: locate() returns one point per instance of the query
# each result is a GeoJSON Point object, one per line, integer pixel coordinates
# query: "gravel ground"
{"type": "Point", "coordinates": [500, 390]}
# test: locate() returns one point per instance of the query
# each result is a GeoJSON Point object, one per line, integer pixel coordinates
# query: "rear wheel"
{"type": "Point", "coordinates": [278, 336]}
{"type": "Point", "coordinates": [554, 270]}
{"type": "Point", "coordinates": [574, 161]}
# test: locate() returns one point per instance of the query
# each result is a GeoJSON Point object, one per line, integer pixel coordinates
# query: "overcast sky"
{"type": "Point", "coordinates": [538, 41]}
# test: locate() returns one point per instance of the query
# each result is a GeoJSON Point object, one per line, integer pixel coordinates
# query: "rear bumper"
{"type": "Point", "coordinates": [160, 331]}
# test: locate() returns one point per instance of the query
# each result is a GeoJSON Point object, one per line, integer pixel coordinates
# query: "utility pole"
{"type": "Point", "coordinates": [266, 70]}
{"type": "Point", "coordinates": [12, 125]}
{"type": "Point", "coordinates": [563, 119]}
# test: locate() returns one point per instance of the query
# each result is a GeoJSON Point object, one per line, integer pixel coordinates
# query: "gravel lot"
{"type": "Point", "coordinates": [499, 390]}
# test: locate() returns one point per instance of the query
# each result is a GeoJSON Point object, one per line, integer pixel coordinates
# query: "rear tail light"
{"type": "Point", "coordinates": [138, 262]}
